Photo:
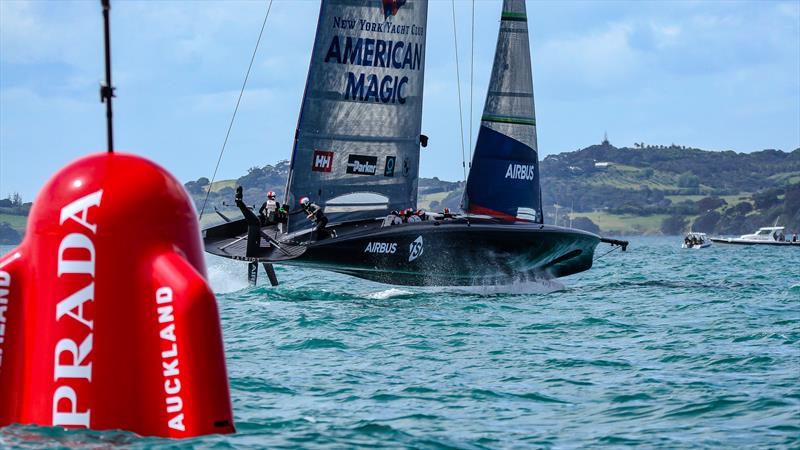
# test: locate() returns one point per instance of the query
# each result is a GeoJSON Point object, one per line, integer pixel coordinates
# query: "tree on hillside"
{"type": "Point", "coordinates": [707, 222]}
{"type": "Point", "coordinates": [688, 180]}
{"type": "Point", "coordinates": [673, 225]}
{"type": "Point", "coordinates": [766, 199]}
{"type": "Point", "coordinates": [8, 235]}
{"type": "Point", "coordinates": [709, 203]}
{"type": "Point", "coordinates": [585, 224]}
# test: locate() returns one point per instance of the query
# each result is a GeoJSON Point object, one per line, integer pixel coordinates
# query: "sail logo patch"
{"type": "Point", "coordinates": [322, 161]}
{"type": "Point", "coordinates": [521, 171]}
{"type": "Point", "coordinates": [415, 249]}
{"type": "Point", "coordinates": [381, 247]}
{"type": "Point", "coordinates": [361, 165]}
{"type": "Point", "coordinates": [388, 169]}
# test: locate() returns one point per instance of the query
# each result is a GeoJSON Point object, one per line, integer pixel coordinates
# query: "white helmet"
{"type": "Point", "coordinates": [305, 201]}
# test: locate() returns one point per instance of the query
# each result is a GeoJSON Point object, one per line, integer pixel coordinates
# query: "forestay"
{"type": "Point", "coordinates": [503, 180]}
{"type": "Point", "coordinates": [356, 149]}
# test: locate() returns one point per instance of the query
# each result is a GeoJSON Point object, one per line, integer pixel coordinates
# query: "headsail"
{"type": "Point", "coordinates": [504, 177]}
{"type": "Point", "coordinates": [356, 149]}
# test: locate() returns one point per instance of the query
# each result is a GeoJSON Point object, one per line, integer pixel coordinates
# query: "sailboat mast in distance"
{"type": "Point", "coordinates": [503, 181]}
{"type": "Point", "coordinates": [356, 149]}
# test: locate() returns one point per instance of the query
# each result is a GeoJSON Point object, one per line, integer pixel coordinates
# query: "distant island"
{"type": "Point", "coordinates": [644, 189]}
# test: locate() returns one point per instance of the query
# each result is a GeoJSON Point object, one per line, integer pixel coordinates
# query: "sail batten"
{"type": "Point", "coordinates": [503, 180]}
{"type": "Point", "coordinates": [361, 116]}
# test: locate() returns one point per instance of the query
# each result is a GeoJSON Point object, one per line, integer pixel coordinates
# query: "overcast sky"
{"type": "Point", "coordinates": [715, 75]}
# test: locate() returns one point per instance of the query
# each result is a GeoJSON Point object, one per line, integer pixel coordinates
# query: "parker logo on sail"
{"type": "Point", "coordinates": [361, 165]}
{"type": "Point", "coordinates": [381, 247]}
{"type": "Point", "coordinates": [390, 7]}
{"type": "Point", "coordinates": [322, 161]}
{"type": "Point", "coordinates": [521, 171]}
{"type": "Point", "coordinates": [415, 249]}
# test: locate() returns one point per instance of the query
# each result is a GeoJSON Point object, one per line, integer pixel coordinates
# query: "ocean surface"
{"type": "Point", "coordinates": [657, 347]}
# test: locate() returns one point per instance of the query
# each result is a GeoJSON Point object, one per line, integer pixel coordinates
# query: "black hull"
{"type": "Point", "coordinates": [439, 253]}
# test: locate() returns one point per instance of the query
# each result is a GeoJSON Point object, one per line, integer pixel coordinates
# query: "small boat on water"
{"type": "Point", "coordinates": [696, 240]}
{"type": "Point", "coordinates": [764, 236]}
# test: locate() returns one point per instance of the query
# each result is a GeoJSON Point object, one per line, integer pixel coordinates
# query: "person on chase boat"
{"type": "Point", "coordinates": [314, 213]}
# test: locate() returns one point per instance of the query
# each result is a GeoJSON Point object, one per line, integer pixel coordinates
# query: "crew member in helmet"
{"type": "Point", "coordinates": [314, 213]}
{"type": "Point", "coordinates": [269, 212]}
{"type": "Point", "coordinates": [422, 214]}
{"type": "Point", "coordinates": [411, 217]}
{"type": "Point", "coordinates": [392, 219]}
{"type": "Point", "coordinates": [446, 214]}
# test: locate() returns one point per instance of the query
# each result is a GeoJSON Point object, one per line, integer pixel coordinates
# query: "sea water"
{"type": "Point", "coordinates": [657, 347]}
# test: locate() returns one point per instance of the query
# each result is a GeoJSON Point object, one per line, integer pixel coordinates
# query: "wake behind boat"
{"type": "Point", "coordinates": [356, 161]}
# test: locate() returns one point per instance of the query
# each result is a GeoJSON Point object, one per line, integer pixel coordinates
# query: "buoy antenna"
{"type": "Point", "coordinates": [107, 90]}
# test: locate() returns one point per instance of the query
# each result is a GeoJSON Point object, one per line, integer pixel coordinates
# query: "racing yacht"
{"type": "Point", "coordinates": [356, 156]}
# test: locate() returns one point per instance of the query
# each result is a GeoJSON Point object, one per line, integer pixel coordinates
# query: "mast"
{"type": "Point", "coordinates": [356, 148]}
{"type": "Point", "coordinates": [107, 90]}
{"type": "Point", "coordinates": [503, 180]}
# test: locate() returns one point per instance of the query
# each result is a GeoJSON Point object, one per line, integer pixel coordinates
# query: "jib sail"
{"type": "Point", "coordinates": [356, 151]}
{"type": "Point", "coordinates": [503, 180]}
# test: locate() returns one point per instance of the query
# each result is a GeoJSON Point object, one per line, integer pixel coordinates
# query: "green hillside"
{"type": "Point", "coordinates": [639, 190]}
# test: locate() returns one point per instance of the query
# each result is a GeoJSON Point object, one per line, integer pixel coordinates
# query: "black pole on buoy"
{"type": "Point", "coordinates": [106, 90]}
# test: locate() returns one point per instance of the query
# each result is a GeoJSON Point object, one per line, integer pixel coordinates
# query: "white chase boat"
{"type": "Point", "coordinates": [696, 240]}
{"type": "Point", "coordinates": [764, 236]}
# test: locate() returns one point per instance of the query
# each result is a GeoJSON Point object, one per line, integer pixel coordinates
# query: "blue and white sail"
{"type": "Point", "coordinates": [503, 180]}
{"type": "Point", "coordinates": [356, 151]}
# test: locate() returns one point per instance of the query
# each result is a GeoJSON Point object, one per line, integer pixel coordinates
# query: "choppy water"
{"type": "Point", "coordinates": [658, 347]}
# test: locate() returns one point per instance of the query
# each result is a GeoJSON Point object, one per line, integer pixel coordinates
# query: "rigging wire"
{"type": "Point", "coordinates": [613, 247]}
{"type": "Point", "coordinates": [471, 65]}
{"type": "Point", "coordinates": [236, 109]}
{"type": "Point", "coordinates": [458, 84]}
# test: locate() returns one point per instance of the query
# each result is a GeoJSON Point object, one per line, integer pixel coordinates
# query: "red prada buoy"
{"type": "Point", "coordinates": [106, 319]}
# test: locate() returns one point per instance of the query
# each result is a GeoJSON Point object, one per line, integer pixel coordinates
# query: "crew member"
{"type": "Point", "coordinates": [794, 237]}
{"type": "Point", "coordinates": [446, 214]}
{"type": "Point", "coordinates": [269, 212]}
{"type": "Point", "coordinates": [422, 214]}
{"type": "Point", "coordinates": [411, 217]}
{"type": "Point", "coordinates": [314, 213]}
{"type": "Point", "coordinates": [392, 219]}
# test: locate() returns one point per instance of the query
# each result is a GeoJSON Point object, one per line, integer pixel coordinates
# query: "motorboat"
{"type": "Point", "coordinates": [764, 236]}
{"type": "Point", "coordinates": [696, 240]}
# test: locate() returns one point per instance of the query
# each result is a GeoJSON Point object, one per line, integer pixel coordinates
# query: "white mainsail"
{"type": "Point", "coordinates": [356, 149]}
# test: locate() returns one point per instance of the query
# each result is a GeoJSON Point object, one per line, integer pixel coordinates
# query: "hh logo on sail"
{"type": "Point", "coordinates": [322, 161]}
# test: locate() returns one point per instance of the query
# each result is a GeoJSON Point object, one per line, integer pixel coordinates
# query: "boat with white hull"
{"type": "Point", "coordinates": [694, 240]}
{"type": "Point", "coordinates": [764, 236]}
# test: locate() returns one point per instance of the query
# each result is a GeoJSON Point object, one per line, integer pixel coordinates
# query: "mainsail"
{"type": "Point", "coordinates": [503, 180]}
{"type": "Point", "coordinates": [356, 150]}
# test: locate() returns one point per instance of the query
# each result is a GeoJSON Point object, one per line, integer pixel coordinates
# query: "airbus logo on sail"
{"type": "Point", "coordinates": [521, 171]}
